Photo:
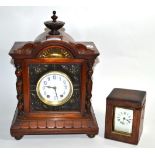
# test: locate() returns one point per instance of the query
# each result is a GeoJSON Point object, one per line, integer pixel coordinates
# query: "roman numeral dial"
{"type": "Point", "coordinates": [123, 120]}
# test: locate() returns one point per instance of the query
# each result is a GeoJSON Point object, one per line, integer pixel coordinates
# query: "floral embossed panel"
{"type": "Point", "coordinates": [38, 70]}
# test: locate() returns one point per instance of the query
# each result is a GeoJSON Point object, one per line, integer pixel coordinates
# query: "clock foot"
{"type": "Point", "coordinates": [91, 135]}
{"type": "Point", "coordinates": [18, 137]}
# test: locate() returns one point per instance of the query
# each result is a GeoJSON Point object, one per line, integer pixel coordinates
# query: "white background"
{"type": "Point", "coordinates": [124, 33]}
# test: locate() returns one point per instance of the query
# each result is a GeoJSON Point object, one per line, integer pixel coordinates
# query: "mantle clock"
{"type": "Point", "coordinates": [54, 84]}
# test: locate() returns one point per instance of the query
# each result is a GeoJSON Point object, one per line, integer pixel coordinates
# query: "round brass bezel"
{"type": "Point", "coordinates": [54, 103]}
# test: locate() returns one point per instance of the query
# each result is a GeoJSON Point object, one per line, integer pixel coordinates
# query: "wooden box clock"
{"type": "Point", "coordinates": [125, 115]}
{"type": "Point", "coordinates": [54, 84]}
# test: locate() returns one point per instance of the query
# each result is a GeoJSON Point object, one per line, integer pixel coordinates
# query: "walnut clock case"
{"type": "Point", "coordinates": [125, 115]}
{"type": "Point", "coordinates": [54, 84]}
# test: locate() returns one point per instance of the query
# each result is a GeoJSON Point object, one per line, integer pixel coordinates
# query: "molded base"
{"type": "Point", "coordinates": [23, 125]}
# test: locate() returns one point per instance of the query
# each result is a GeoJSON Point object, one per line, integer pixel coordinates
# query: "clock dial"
{"type": "Point", "coordinates": [123, 119]}
{"type": "Point", "coordinates": [54, 88]}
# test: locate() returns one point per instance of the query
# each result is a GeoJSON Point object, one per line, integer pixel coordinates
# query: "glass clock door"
{"type": "Point", "coordinates": [123, 120]}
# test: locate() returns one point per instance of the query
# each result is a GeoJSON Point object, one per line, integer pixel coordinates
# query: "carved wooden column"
{"type": "Point", "coordinates": [19, 85]}
{"type": "Point", "coordinates": [89, 84]}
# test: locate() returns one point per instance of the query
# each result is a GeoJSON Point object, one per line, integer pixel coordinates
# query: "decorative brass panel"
{"type": "Point", "coordinates": [55, 52]}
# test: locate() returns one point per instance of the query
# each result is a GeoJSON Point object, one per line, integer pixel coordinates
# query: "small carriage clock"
{"type": "Point", "coordinates": [54, 84]}
{"type": "Point", "coordinates": [125, 115]}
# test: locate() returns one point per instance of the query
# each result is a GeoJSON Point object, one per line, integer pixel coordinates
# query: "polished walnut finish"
{"type": "Point", "coordinates": [53, 49]}
{"type": "Point", "coordinates": [129, 99]}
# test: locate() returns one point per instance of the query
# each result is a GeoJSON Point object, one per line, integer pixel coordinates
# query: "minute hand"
{"type": "Point", "coordinates": [54, 90]}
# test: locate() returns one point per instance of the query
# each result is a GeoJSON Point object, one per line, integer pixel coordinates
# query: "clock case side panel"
{"type": "Point", "coordinates": [109, 119]}
{"type": "Point", "coordinates": [55, 61]}
{"type": "Point", "coordinates": [141, 115]}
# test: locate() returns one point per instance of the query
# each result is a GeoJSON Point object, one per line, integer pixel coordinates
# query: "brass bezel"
{"type": "Point", "coordinates": [54, 103]}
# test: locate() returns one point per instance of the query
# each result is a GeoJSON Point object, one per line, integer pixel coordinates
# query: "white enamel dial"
{"type": "Point", "coordinates": [123, 120]}
{"type": "Point", "coordinates": [54, 88]}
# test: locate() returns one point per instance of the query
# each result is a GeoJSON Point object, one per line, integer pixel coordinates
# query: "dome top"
{"type": "Point", "coordinates": [54, 31]}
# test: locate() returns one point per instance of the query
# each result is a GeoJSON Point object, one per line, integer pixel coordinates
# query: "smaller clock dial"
{"type": "Point", "coordinates": [123, 120]}
{"type": "Point", "coordinates": [54, 88]}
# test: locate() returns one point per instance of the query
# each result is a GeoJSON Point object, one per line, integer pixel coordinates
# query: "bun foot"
{"type": "Point", "coordinates": [91, 135]}
{"type": "Point", "coordinates": [18, 137]}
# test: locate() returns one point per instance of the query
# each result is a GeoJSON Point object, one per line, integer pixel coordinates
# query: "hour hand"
{"type": "Point", "coordinates": [54, 90]}
{"type": "Point", "coordinates": [50, 87]}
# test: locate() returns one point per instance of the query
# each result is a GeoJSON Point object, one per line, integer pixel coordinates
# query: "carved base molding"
{"type": "Point", "coordinates": [28, 126]}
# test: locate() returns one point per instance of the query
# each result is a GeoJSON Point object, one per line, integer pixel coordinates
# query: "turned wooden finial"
{"type": "Point", "coordinates": [54, 25]}
{"type": "Point", "coordinates": [54, 17]}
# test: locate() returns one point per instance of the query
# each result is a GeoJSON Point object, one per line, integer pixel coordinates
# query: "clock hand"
{"type": "Point", "coordinates": [55, 92]}
{"type": "Point", "coordinates": [49, 87]}
{"type": "Point", "coordinates": [128, 121]}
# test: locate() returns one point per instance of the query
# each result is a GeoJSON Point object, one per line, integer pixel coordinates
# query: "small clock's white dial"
{"type": "Point", "coordinates": [54, 88]}
{"type": "Point", "coordinates": [123, 120]}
